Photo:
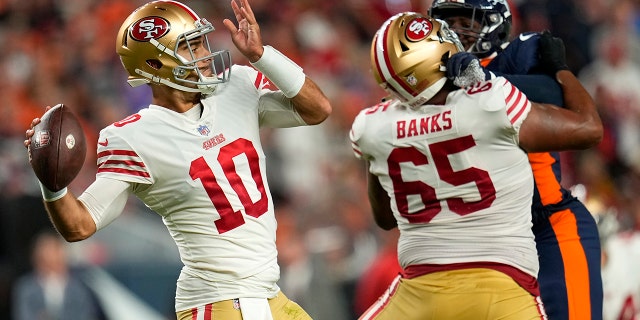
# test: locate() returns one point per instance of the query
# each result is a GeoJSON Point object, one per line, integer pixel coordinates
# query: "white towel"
{"type": "Point", "coordinates": [255, 309]}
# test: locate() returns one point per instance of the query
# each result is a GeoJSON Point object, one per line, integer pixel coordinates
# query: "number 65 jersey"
{"type": "Point", "coordinates": [459, 184]}
{"type": "Point", "coordinates": [206, 178]}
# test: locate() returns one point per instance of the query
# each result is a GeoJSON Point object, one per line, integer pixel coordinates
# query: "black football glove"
{"type": "Point", "coordinates": [551, 54]}
{"type": "Point", "coordinates": [464, 69]}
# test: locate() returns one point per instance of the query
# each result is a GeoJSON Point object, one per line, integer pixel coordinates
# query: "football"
{"type": "Point", "coordinates": [58, 148]}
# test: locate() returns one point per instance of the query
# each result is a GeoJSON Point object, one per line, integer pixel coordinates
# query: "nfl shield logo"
{"type": "Point", "coordinates": [412, 80]}
{"type": "Point", "coordinates": [204, 130]}
{"type": "Point", "coordinates": [42, 139]}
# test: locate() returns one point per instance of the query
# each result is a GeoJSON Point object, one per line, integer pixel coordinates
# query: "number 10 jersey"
{"type": "Point", "coordinates": [207, 180]}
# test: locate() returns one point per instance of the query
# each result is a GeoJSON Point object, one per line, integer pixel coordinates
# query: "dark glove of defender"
{"type": "Point", "coordinates": [551, 54]}
{"type": "Point", "coordinates": [464, 69]}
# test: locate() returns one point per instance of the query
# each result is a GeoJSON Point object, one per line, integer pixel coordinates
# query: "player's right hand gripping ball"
{"type": "Point", "coordinates": [58, 148]}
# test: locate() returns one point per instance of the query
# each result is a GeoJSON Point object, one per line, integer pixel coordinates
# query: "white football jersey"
{"type": "Point", "coordinates": [207, 180]}
{"type": "Point", "coordinates": [620, 276]}
{"type": "Point", "coordinates": [459, 184]}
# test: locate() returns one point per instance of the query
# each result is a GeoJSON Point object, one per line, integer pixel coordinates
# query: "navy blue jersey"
{"type": "Point", "coordinates": [566, 233]}
{"type": "Point", "coordinates": [518, 62]}
{"type": "Point", "coordinates": [519, 57]}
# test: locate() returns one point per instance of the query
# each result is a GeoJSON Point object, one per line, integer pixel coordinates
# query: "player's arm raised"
{"type": "Point", "coordinates": [310, 102]}
{"type": "Point", "coordinates": [550, 128]}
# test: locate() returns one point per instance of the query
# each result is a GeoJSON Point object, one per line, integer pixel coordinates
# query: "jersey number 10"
{"type": "Point", "coordinates": [230, 219]}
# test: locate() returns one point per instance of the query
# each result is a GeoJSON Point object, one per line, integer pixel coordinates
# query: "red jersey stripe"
{"type": "Point", "coordinates": [262, 82]}
{"type": "Point", "coordinates": [117, 153]}
{"type": "Point", "coordinates": [122, 162]}
{"type": "Point", "coordinates": [125, 171]}
{"type": "Point", "coordinates": [516, 103]}
{"type": "Point", "coordinates": [514, 100]}
{"type": "Point", "coordinates": [512, 92]}
{"type": "Point", "coordinates": [522, 109]}
{"type": "Point", "coordinates": [207, 311]}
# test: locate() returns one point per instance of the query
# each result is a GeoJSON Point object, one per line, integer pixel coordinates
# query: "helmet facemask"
{"type": "Point", "coordinates": [222, 59]}
{"type": "Point", "coordinates": [489, 23]}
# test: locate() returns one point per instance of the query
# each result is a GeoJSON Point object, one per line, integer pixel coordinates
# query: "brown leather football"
{"type": "Point", "coordinates": [58, 148]}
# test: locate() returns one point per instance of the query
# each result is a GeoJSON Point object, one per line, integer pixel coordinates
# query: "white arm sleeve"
{"type": "Point", "coordinates": [105, 199]}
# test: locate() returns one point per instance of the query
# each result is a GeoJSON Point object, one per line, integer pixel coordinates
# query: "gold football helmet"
{"type": "Point", "coordinates": [408, 54]}
{"type": "Point", "coordinates": [148, 44]}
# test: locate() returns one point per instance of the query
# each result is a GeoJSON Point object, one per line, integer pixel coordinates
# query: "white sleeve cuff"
{"type": "Point", "coordinates": [284, 73]}
{"type": "Point", "coordinates": [51, 196]}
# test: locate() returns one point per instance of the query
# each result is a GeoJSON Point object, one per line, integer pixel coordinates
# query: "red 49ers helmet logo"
{"type": "Point", "coordinates": [149, 28]}
{"type": "Point", "coordinates": [418, 29]}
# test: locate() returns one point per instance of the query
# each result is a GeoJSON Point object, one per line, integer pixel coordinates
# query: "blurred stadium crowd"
{"type": "Point", "coordinates": [63, 51]}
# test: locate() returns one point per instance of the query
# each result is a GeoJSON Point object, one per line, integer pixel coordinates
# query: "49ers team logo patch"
{"type": "Point", "coordinates": [149, 28]}
{"type": "Point", "coordinates": [418, 29]}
